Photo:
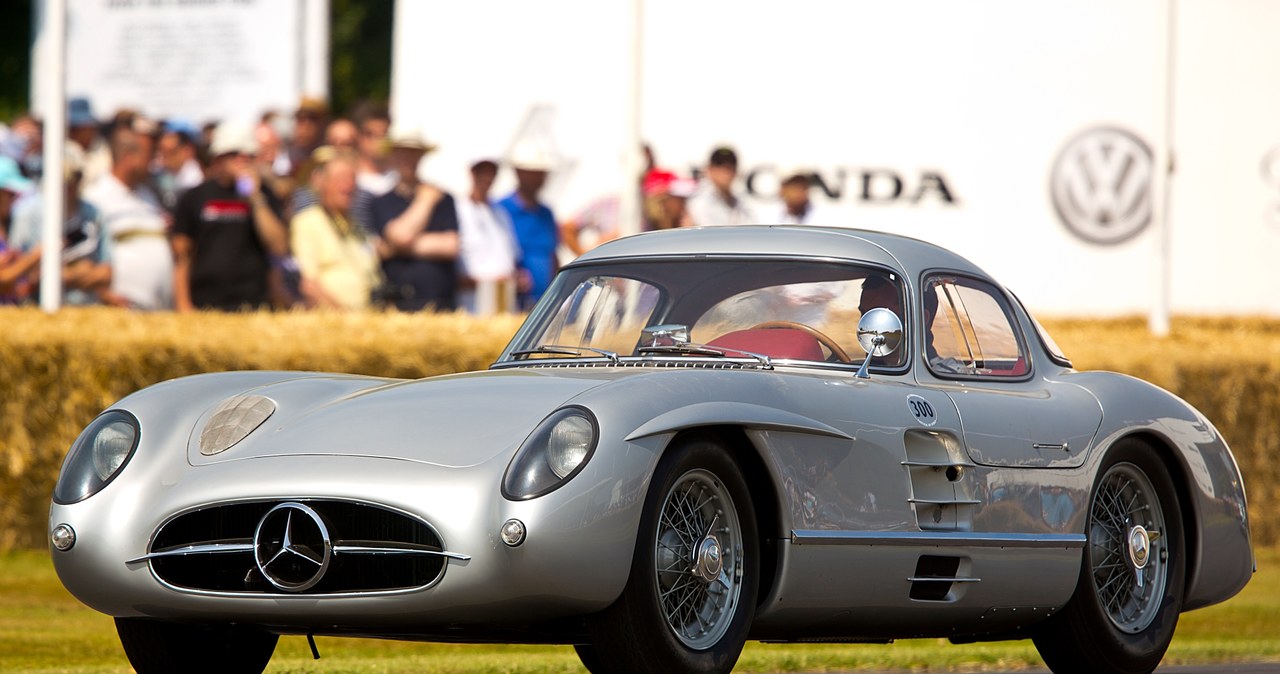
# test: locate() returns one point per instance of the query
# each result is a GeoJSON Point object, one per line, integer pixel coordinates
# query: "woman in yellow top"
{"type": "Point", "coordinates": [338, 263]}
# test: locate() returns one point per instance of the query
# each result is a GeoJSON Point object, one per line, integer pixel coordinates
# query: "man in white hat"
{"type": "Point", "coordinates": [417, 225]}
{"type": "Point", "coordinates": [226, 231]}
{"type": "Point", "coordinates": [535, 224]}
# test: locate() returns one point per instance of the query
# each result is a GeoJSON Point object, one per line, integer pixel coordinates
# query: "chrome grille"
{"type": "Point", "coordinates": [374, 549]}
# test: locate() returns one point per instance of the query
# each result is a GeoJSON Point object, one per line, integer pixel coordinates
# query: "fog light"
{"type": "Point", "coordinates": [63, 537]}
{"type": "Point", "coordinates": [513, 532]}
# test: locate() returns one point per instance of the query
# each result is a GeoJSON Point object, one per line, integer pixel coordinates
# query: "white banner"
{"type": "Point", "coordinates": [199, 60]}
{"type": "Point", "coordinates": [1023, 135]}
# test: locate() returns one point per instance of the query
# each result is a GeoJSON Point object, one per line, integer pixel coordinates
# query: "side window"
{"type": "Point", "coordinates": [968, 330]}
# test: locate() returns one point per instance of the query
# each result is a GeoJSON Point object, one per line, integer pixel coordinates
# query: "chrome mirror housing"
{"type": "Point", "coordinates": [665, 335]}
{"type": "Point", "coordinates": [879, 334]}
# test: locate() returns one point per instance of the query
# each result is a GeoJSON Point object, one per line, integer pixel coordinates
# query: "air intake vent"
{"type": "Point", "coordinates": [935, 577]}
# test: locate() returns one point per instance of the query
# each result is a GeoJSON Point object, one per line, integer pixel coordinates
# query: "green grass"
{"type": "Point", "coordinates": [44, 629]}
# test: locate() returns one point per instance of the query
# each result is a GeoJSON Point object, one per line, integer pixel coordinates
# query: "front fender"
{"type": "Point", "coordinates": [745, 415]}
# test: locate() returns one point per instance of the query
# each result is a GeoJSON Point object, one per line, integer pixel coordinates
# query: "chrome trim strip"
{"type": "Point", "coordinates": [201, 549]}
{"type": "Point", "coordinates": [939, 464]}
{"type": "Point", "coordinates": [375, 550]}
{"type": "Point", "coordinates": [934, 579]}
{"type": "Point", "coordinates": [960, 539]}
{"type": "Point", "coordinates": [931, 501]}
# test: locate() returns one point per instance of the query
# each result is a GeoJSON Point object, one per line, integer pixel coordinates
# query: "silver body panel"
{"type": "Point", "coordinates": [859, 487]}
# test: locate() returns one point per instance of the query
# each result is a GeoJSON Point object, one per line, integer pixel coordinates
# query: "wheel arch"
{"type": "Point", "coordinates": [764, 494]}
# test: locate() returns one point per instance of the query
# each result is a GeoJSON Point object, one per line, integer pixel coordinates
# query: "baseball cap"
{"type": "Point", "coordinates": [233, 137]}
{"type": "Point", "coordinates": [11, 177]}
{"type": "Point", "coordinates": [183, 128]}
{"type": "Point", "coordinates": [659, 181]}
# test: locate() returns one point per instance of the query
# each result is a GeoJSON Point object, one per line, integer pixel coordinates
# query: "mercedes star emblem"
{"type": "Point", "coordinates": [292, 547]}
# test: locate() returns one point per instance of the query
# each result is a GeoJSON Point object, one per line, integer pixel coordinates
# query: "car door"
{"type": "Point", "coordinates": [1010, 415]}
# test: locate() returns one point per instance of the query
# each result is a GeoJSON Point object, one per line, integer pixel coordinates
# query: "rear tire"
{"type": "Point", "coordinates": [1126, 605]}
{"type": "Point", "coordinates": [589, 659]}
{"type": "Point", "coordinates": [161, 647]}
{"type": "Point", "coordinates": [689, 602]}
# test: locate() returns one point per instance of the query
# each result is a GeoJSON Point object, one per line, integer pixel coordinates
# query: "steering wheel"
{"type": "Point", "coordinates": [824, 340]}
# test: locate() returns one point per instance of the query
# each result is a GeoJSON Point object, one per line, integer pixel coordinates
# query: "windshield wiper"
{"type": "Point", "coordinates": [566, 351]}
{"type": "Point", "coordinates": [693, 349]}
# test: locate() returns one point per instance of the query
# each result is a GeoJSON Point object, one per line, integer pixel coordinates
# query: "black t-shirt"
{"type": "Point", "coordinates": [415, 282]}
{"type": "Point", "coordinates": [229, 264]}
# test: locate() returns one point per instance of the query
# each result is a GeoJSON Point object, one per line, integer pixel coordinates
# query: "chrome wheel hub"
{"type": "Point", "coordinates": [707, 563]}
{"type": "Point", "coordinates": [1139, 547]}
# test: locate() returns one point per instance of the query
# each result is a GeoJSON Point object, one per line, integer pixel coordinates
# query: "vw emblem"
{"type": "Point", "coordinates": [1101, 185]}
{"type": "Point", "coordinates": [292, 547]}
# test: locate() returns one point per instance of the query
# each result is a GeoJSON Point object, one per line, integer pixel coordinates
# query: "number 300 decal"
{"type": "Point", "coordinates": [922, 410]}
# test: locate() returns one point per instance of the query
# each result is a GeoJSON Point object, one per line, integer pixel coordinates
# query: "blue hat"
{"type": "Point", "coordinates": [183, 128]}
{"type": "Point", "coordinates": [11, 177]}
{"type": "Point", "coordinates": [79, 113]}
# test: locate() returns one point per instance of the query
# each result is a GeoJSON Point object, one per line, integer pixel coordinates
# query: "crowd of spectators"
{"type": "Point", "coordinates": [312, 210]}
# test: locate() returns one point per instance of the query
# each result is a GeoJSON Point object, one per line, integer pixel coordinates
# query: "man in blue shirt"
{"type": "Point", "coordinates": [535, 224]}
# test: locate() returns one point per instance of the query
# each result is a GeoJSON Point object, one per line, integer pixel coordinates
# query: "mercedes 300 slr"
{"type": "Point", "coordinates": [698, 437]}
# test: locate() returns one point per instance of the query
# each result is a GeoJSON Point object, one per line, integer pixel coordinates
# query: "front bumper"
{"type": "Point", "coordinates": [574, 560]}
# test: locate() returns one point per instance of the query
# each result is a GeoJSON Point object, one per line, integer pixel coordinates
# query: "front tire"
{"type": "Point", "coordinates": [691, 596]}
{"type": "Point", "coordinates": [155, 646]}
{"type": "Point", "coordinates": [1125, 609]}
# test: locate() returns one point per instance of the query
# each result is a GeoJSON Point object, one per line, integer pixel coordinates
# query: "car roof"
{"type": "Point", "coordinates": [909, 256]}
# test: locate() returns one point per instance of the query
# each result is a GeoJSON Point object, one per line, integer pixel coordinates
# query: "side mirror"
{"type": "Point", "coordinates": [879, 334]}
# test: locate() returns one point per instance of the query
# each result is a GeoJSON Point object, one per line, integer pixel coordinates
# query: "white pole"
{"type": "Point", "coordinates": [1158, 322]}
{"type": "Point", "coordinates": [54, 33]}
{"type": "Point", "coordinates": [315, 49]}
{"type": "Point", "coordinates": [629, 200]}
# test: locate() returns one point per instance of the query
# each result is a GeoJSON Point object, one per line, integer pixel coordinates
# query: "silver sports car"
{"type": "Point", "coordinates": [698, 437]}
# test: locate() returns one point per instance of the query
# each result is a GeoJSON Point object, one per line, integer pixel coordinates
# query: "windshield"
{"type": "Point", "coordinates": [784, 310]}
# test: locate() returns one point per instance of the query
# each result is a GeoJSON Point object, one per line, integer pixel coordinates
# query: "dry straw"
{"type": "Point", "coordinates": [57, 372]}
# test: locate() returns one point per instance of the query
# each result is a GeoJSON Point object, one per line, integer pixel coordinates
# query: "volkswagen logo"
{"type": "Point", "coordinates": [292, 547]}
{"type": "Point", "coordinates": [1101, 185]}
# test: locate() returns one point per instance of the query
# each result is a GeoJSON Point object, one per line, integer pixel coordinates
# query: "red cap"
{"type": "Point", "coordinates": [659, 181]}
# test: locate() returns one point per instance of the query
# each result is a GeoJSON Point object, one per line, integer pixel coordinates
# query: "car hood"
{"type": "Point", "coordinates": [453, 421]}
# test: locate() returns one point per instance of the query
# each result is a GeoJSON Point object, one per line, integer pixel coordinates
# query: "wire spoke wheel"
{"type": "Point", "coordinates": [698, 559]}
{"type": "Point", "coordinates": [1130, 561]}
{"type": "Point", "coordinates": [1131, 584]}
{"type": "Point", "coordinates": [690, 597]}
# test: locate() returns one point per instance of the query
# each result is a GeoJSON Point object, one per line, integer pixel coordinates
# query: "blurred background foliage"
{"type": "Point", "coordinates": [359, 54]}
{"type": "Point", "coordinates": [15, 58]}
{"type": "Point", "coordinates": [360, 51]}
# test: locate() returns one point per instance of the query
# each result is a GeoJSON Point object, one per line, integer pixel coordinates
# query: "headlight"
{"type": "Point", "coordinates": [556, 451]}
{"type": "Point", "coordinates": [97, 456]}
